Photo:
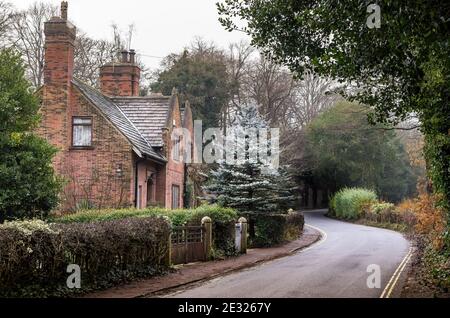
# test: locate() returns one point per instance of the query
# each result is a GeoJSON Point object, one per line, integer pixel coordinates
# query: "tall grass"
{"type": "Point", "coordinates": [348, 203]}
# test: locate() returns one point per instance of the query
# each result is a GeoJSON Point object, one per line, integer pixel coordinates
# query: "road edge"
{"type": "Point", "coordinates": [319, 240]}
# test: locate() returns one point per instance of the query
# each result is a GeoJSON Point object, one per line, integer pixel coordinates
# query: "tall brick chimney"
{"type": "Point", "coordinates": [58, 72]}
{"type": "Point", "coordinates": [59, 49]}
{"type": "Point", "coordinates": [122, 78]}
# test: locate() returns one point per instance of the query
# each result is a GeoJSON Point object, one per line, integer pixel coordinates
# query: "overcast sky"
{"type": "Point", "coordinates": [162, 26]}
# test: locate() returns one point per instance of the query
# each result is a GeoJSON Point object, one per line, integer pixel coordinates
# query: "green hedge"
{"type": "Point", "coordinates": [223, 221]}
{"type": "Point", "coordinates": [274, 229]}
{"type": "Point", "coordinates": [34, 255]}
{"type": "Point", "coordinates": [349, 203]}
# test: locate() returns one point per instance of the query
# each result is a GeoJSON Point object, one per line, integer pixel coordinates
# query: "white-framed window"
{"type": "Point", "coordinates": [82, 131]}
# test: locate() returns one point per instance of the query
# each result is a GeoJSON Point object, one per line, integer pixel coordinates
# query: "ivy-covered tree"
{"type": "Point", "coordinates": [245, 180]}
{"type": "Point", "coordinates": [396, 53]}
{"type": "Point", "coordinates": [28, 186]}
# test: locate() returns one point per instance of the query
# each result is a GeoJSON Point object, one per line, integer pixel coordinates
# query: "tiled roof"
{"type": "Point", "coordinates": [119, 119]}
{"type": "Point", "coordinates": [149, 114]}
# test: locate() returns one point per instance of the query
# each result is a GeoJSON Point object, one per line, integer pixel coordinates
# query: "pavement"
{"type": "Point", "coordinates": [196, 273]}
{"type": "Point", "coordinates": [339, 265]}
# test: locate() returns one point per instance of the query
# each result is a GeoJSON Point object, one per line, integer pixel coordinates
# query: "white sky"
{"type": "Point", "coordinates": [162, 26]}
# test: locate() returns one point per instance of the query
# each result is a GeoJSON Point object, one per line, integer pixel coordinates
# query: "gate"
{"type": "Point", "coordinates": [188, 244]}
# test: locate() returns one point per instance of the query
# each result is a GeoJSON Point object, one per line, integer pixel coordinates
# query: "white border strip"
{"type": "Point", "coordinates": [323, 238]}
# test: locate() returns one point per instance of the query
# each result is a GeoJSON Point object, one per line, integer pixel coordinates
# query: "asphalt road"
{"type": "Point", "coordinates": [334, 267]}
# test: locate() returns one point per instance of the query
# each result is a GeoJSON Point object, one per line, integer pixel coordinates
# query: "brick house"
{"type": "Point", "coordinates": [114, 145]}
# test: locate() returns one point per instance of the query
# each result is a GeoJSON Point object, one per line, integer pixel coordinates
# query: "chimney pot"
{"type": "Point", "coordinates": [132, 56]}
{"type": "Point", "coordinates": [64, 7]}
{"type": "Point", "coordinates": [124, 56]}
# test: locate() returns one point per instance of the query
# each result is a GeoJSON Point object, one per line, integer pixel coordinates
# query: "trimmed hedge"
{"type": "Point", "coordinates": [349, 203]}
{"type": "Point", "coordinates": [223, 227]}
{"type": "Point", "coordinates": [34, 255]}
{"type": "Point", "coordinates": [274, 229]}
{"type": "Point", "coordinates": [223, 221]}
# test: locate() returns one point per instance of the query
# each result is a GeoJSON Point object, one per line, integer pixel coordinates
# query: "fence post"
{"type": "Point", "coordinates": [207, 224]}
{"type": "Point", "coordinates": [244, 228]}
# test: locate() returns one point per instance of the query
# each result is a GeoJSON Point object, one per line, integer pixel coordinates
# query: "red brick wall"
{"type": "Point", "coordinates": [145, 168]}
{"type": "Point", "coordinates": [105, 173]}
{"type": "Point", "coordinates": [91, 173]}
{"type": "Point", "coordinates": [174, 170]}
{"type": "Point", "coordinates": [120, 79]}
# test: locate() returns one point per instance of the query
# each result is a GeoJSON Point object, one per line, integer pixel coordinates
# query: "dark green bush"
{"type": "Point", "coordinates": [223, 221]}
{"type": "Point", "coordinates": [274, 229]}
{"type": "Point", "coordinates": [34, 255]}
{"type": "Point", "coordinates": [223, 227]}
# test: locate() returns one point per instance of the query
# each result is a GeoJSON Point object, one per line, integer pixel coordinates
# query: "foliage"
{"type": "Point", "coordinates": [349, 203]}
{"type": "Point", "coordinates": [223, 220]}
{"type": "Point", "coordinates": [383, 213]}
{"type": "Point", "coordinates": [382, 207]}
{"type": "Point", "coordinates": [223, 227]}
{"type": "Point", "coordinates": [200, 76]}
{"type": "Point", "coordinates": [273, 229]}
{"type": "Point", "coordinates": [28, 185]}
{"type": "Point", "coordinates": [34, 255]}
{"type": "Point", "coordinates": [250, 184]}
{"type": "Point", "coordinates": [429, 218]}
{"type": "Point", "coordinates": [95, 215]}
{"type": "Point", "coordinates": [400, 68]}
{"type": "Point", "coordinates": [177, 217]}
{"type": "Point", "coordinates": [343, 150]}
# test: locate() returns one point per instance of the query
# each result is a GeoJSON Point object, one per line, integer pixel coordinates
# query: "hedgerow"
{"type": "Point", "coordinates": [273, 229]}
{"type": "Point", "coordinates": [34, 255]}
{"type": "Point", "coordinates": [223, 221]}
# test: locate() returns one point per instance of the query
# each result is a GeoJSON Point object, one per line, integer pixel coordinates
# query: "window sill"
{"type": "Point", "coordinates": [74, 148]}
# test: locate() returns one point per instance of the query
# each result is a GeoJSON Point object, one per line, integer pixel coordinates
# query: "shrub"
{"type": "Point", "coordinates": [223, 227]}
{"type": "Point", "coordinates": [34, 255]}
{"type": "Point", "coordinates": [349, 203]}
{"type": "Point", "coordinates": [382, 212]}
{"type": "Point", "coordinates": [107, 215]}
{"type": "Point", "coordinates": [29, 186]}
{"type": "Point", "coordinates": [223, 220]}
{"type": "Point", "coordinates": [273, 229]}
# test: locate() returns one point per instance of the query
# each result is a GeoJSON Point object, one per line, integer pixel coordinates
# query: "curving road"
{"type": "Point", "coordinates": [334, 267]}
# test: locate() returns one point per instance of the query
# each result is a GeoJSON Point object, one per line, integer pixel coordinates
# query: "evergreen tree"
{"type": "Point", "coordinates": [28, 186]}
{"type": "Point", "coordinates": [247, 181]}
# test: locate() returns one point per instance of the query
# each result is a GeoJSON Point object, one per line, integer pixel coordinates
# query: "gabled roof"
{"type": "Point", "coordinates": [119, 119]}
{"type": "Point", "coordinates": [149, 114]}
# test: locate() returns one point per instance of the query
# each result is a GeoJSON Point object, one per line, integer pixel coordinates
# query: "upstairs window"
{"type": "Point", "coordinates": [82, 132]}
{"type": "Point", "coordinates": [176, 149]}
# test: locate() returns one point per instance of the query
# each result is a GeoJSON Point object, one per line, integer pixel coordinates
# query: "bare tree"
{"type": "Point", "coordinates": [90, 55]}
{"type": "Point", "coordinates": [123, 39]}
{"type": "Point", "coordinates": [27, 36]}
{"type": "Point", "coordinates": [6, 11]}
{"type": "Point", "coordinates": [238, 58]}
{"type": "Point", "coordinates": [313, 94]}
{"type": "Point", "coordinates": [271, 87]}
